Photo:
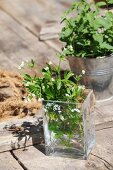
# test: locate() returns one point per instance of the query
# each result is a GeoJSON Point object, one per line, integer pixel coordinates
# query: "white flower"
{"type": "Point", "coordinates": [67, 95]}
{"type": "Point", "coordinates": [53, 79]}
{"type": "Point", "coordinates": [43, 87]}
{"type": "Point", "coordinates": [59, 111]}
{"type": "Point", "coordinates": [75, 110]}
{"type": "Point", "coordinates": [47, 68]}
{"type": "Point", "coordinates": [21, 65]}
{"type": "Point", "coordinates": [101, 57]}
{"type": "Point", "coordinates": [50, 63]}
{"type": "Point", "coordinates": [83, 71]}
{"type": "Point", "coordinates": [27, 84]}
{"type": "Point", "coordinates": [48, 105]}
{"type": "Point", "coordinates": [56, 107]}
{"type": "Point", "coordinates": [81, 87]}
{"type": "Point", "coordinates": [33, 95]}
{"type": "Point", "coordinates": [40, 99]}
{"type": "Point", "coordinates": [65, 49]}
{"type": "Point", "coordinates": [71, 48]}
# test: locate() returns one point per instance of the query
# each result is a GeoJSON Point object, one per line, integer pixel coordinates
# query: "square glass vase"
{"type": "Point", "coordinates": [69, 128]}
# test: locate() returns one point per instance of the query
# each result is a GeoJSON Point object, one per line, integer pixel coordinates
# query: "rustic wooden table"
{"type": "Point", "coordinates": [20, 25]}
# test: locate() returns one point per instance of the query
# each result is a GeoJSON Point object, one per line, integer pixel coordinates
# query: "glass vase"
{"type": "Point", "coordinates": [69, 128]}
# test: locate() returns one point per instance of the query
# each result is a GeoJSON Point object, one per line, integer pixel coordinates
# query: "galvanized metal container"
{"type": "Point", "coordinates": [98, 74]}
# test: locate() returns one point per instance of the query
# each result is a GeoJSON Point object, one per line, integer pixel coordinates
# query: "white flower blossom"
{"type": "Point", "coordinates": [65, 49]}
{"type": "Point", "coordinates": [101, 57]}
{"type": "Point", "coordinates": [27, 84]}
{"type": "Point", "coordinates": [33, 95]}
{"type": "Point", "coordinates": [67, 95]}
{"type": "Point", "coordinates": [43, 87]}
{"type": "Point", "coordinates": [83, 71]}
{"type": "Point", "coordinates": [56, 107]}
{"type": "Point", "coordinates": [59, 111]}
{"type": "Point", "coordinates": [40, 99]}
{"type": "Point", "coordinates": [75, 110]}
{"type": "Point", "coordinates": [48, 104]}
{"type": "Point", "coordinates": [50, 63]}
{"type": "Point", "coordinates": [53, 79]}
{"type": "Point", "coordinates": [71, 48]}
{"type": "Point", "coordinates": [46, 68]}
{"type": "Point", "coordinates": [81, 87]}
{"type": "Point", "coordinates": [21, 65]}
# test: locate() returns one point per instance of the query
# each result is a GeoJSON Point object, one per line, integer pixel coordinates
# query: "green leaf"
{"type": "Point", "coordinates": [100, 4]}
{"type": "Point", "coordinates": [109, 16]}
{"type": "Point", "coordinates": [31, 64]}
{"type": "Point", "coordinates": [106, 46]}
{"type": "Point", "coordinates": [68, 32]}
{"type": "Point", "coordinates": [47, 75]}
{"type": "Point", "coordinates": [96, 24]}
{"type": "Point", "coordinates": [98, 37]}
{"type": "Point", "coordinates": [110, 1]}
{"type": "Point", "coordinates": [49, 93]}
{"type": "Point", "coordinates": [68, 75]}
{"type": "Point", "coordinates": [104, 22]}
{"type": "Point", "coordinates": [90, 18]}
{"type": "Point", "coordinates": [27, 77]}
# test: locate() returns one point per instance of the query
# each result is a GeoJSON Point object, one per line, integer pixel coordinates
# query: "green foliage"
{"type": "Point", "coordinates": [105, 3]}
{"type": "Point", "coordinates": [54, 85]}
{"type": "Point", "coordinates": [87, 33]}
{"type": "Point", "coordinates": [64, 118]}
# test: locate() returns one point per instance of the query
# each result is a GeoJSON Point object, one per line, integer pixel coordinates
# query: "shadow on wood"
{"type": "Point", "coordinates": [27, 131]}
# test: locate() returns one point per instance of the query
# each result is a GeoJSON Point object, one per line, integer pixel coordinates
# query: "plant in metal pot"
{"type": "Point", "coordinates": [67, 111]}
{"type": "Point", "coordinates": [88, 37]}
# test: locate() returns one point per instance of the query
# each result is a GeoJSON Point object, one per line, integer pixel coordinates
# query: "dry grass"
{"type": "Point", "coordinates": [15, 104]}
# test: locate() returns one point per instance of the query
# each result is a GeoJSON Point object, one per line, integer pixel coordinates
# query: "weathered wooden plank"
{"type": "Point", "coordinates": [35, 20]}
{"type": "Point", "coordinates": [18, 44]}
{"type": "Point", "coordinates": [7, 162]}
{"type": "Point", "coordinates": [104, 114]}
{"type": "Point", "coordinates": [20, 133]}
{"type": "Point", "coordinates": [100, 159]}
{"type": "Point", "coordinates": [64, 3]}
{"type": "Point", "coordinates": [50, 31]}
{"type": "Point", "coordinates": [40, 161]}
{"type": "Point", "coordinates": [35, 9]}
{"type": "Point", "coordinates": [54, 163]}
{"type": "Point", "coordinates": [104, 146]}
{"type": "Point", "coordinates": [5, 63]}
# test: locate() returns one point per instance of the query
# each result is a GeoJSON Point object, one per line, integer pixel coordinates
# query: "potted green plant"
{"type": "Point", "coordinates": [88, 37]}
{"type": "Point", "coordinates": [68, 118]}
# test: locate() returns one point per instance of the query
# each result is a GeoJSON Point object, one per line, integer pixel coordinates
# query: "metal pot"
{"type": "Point", "coordinates": [98, 74]}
